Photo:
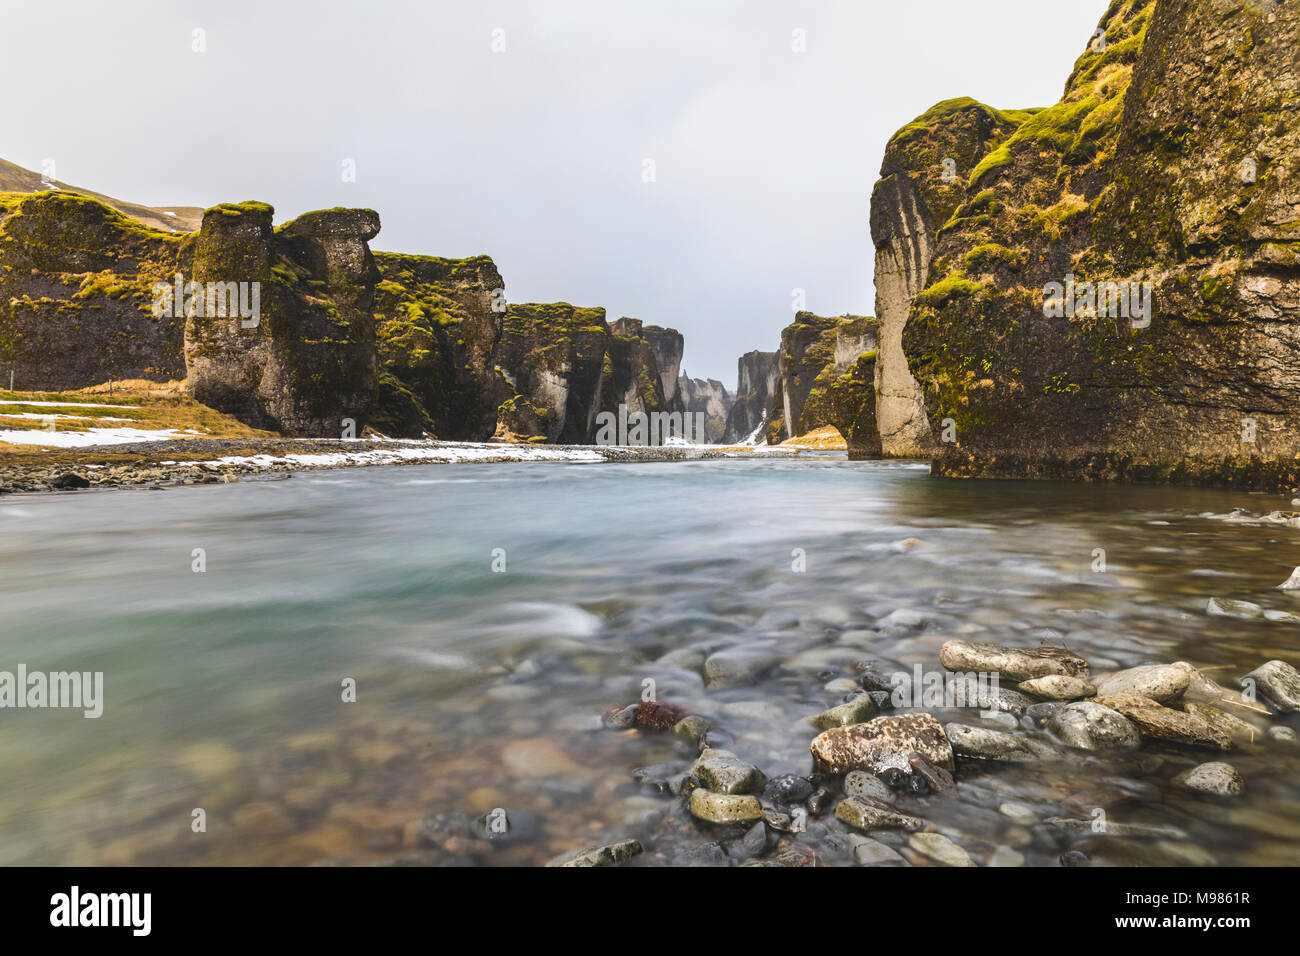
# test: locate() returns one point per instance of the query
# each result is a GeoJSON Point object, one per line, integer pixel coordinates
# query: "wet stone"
{"type": "Point", "coordinates": [1145, 831]}
{"type": "Point", "coordinates": [725, 807]}
{"type": "Point", "coordinates": [1058, 687]}
{"type": "Point", "coordinates": [1160, 682]}
{"type": "Point", "coordinates": [881, 743]}
{"type": "Point", "coordinates": [1012, 663]}
{"type": "Point", "coordinates": [940, 849]}
{"type": "Point", "coordinates": [1240, 731]}
{"type": "Point", "coordinates": [988, 744]}
{"type": "Point", "coordinates": [866, 814]}
{"type": "Point", "coordinates": [875, 853]}
{"type": "Point", "coordinates": [859, 783]}
{"type": "Point", "coordinates": [506, 827]}
{"type": "Point", "coordinates": [1216, 777]}
{"type": "Point", "coordinates": [606, 854]}
{"type": "Point", "coordinates": [721, 771]}
{"type": "Point", "coordinates": [860, 709]}
{"type": "Point", "coordinates": [788, 789]}
{"type": "Point", "coordinates": [1088, 726]}
{"type": "Point", "coordinates": [1164, 723]}
{"type": "Point", "coordinates": [1278, 683]}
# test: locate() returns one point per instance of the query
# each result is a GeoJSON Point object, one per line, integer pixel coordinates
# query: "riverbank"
{"type": "Point", "coordinates": [190, 461]}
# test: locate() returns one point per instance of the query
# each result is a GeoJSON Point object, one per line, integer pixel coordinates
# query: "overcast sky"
{"type": "Point", "coordinates": [764, 157]}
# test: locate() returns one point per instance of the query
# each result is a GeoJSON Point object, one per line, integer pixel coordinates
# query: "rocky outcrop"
{"type": "Point", "coordinates": [438, 323]}
{"type": "Point", "coordinates": [710, 398]}
{"type": "Point", "coordinates": [827, 369]}
{"type": "Point", "coordinates": [669, 346]}
{"type": "Point", "coordinates": [1115, 293]}
{"type": "Point", "coordinates": [302, 359]}
{"type": "Point", "coordinates": [757, 375]}
{"type": "Point", "coordinates": [76, 295]}
{"type": "Point", "coordinates": [304, 331]}
{"type": "Point", "coordinates": [919, 187]}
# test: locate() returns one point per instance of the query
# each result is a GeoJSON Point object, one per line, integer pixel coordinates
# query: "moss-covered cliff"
{"type": "Point", "coordinates": [1172, 159]}
{"type": "Point", "coordinates": [821, 364]}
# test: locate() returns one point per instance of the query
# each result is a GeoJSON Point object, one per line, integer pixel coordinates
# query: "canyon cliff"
{"type": "Point", "coordinates": [826, 376]}
{"type": "Point", "coordinates": [303, 330]}
{"type": "Point", "coordinates": [757, 374]}
{"type": "Point", "coordinates": [1113, 286]}
{"type": "Point", "coordinates": [707, 397]}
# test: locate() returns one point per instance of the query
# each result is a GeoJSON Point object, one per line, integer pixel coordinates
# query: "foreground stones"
{"type": "Point", "coordinates": [940, 849]}
{"type": "Point", "coordinates": [1279, 683]}
{"type": "Point", "coordinates": [1085, 725]}
{"type": "Point", "coordinates": [1160, 682]}
{"type": "Point", "coordinates": [1165, 723]}
{"type": "Point", "coordinates": [725, 807]}
{"type": "Point", "coordinates": [1058, 687]}
{"type": "Point", "coordinates": [866, 813]}
{"type": "Point", "coordinates": [1013, 663]}
{"type": "Point", "coordinates": [882, 743]}
{"type": "Point", "coordinates": [1218, 778]}
{"type": "Point", "coordinates": [607, 854]}
{"type": "Point", "coordinates": [988, 744]}
{"type": "Point", "coordinates": [856, 711]}
{"type": "Point", "coordinates": [721, 771]}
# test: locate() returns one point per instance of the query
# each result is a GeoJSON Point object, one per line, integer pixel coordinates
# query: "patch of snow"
{"type": "Point", "coordinates": [93, 436]}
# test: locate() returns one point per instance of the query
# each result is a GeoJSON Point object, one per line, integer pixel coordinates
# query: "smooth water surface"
{"type": "Point", "coordinates": [478, 689]}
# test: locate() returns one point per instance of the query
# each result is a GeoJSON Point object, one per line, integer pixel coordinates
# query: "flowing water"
{"type": "Point", "coordinates": [480, 688]}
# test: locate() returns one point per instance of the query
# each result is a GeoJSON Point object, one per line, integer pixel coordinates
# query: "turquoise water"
{"type": "Point", "coordinates": [478, 689]}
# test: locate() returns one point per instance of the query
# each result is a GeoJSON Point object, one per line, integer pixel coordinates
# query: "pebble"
{"type": "Point", "coordinates": [1216, 777]}
{"type": "Point", "coordinates": [859, 783]}
{"type": "Point", "coordinates": [867, 814]}
{"type": "Point", "coordinates": [939, 848]}
{"type": "Point", "coordinates": [875, 853]}
{"type": "Point", "coordinates": [1160, 682]}
{"type": "Point", "coordinates": [725, 807]}
{"type": "Point", "coordinates": [1164, 723]}
{"type": "Point", "coordinates": [1284, 734]}
{"type": "Point", "coordinates": [1013, 663]}
{"type": "Point", "coordinates": [1136, 830]}
{"type": "Point", "coordinates": [1225, 607]}
{"type": "Point", "coordinates": [1278, 682]}
{"type": "Point", "coordinates": [1085, 725]}
{"type": "Point", "coordinates": [854, 712]}
{"type": "Point", "coordinates": [988, 744]}
{"type": "Point", "coordinates": [1004, 856]}
{"type": "Point", "coordinates": [788, 789]}
{"type": "Point", "coordinates": [882, 743]}
{"type": "Point", "coordinates": [605, 854]}
{"type": "Point", "coordinates": [1019, 813]}
{"type": "Point", "coordinates": [721, 771]}
{"type": "Point", "coordinates": [737, 666]}
{"type": "Point", "coordinates": [1058, 687]}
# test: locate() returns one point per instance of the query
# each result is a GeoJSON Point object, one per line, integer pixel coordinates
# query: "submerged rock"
{"type": "Point", "coordinates": [606, 854]}
{"type": "Point", "coordinates": [859, 783]}
{"type": "Point", "coordinates": [864, 813]}
{"type": "Point", "coordinates": [875, 853]}
{"type": "Point", "coordinates": [1012, 663]}
{"type": "Point", "coordinates": [1226, 607]}
{"type": "Point", "coordinates": [882, 743]}
{"type": "Point", "coordinates": [1058, 687]}
{"type": "Point", "coordinates": [1292, 583]}
{"type": "Point", "coordinates": [1160, 682]}
{"type": "Point", "coordinates": [721, 771]}
{"type": "Point", "coordinates": [988, 744]}
{"type": "Point", "coordinates": [856, 711]}
{"type": "Point", "coordinates": [1155, 720]}
{"type": "Point", "coordinates": [1240, 731]}
{"type": "Point", "coordinates": [725, 807]}
{"type": "Point", "coordinates": [1216, 777]}
{"type": "Point", "coordinates": [1279, 683]}
{"type": "Point", "coordinates": [940, 849]}
{"type": "Point", "coordinates": [1086, 725]}
{"type": "Point", "coordinates": [1149, 831]}
{"type": "Point", "coordinates": [737, 666]}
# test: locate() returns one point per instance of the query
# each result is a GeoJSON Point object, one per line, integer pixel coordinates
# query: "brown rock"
{"type": "Point", "coordinates": [883, 743]}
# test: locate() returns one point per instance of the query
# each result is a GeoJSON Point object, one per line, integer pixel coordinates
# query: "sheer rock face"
{"type": "Point", "coordinates": [757, 374]}
{"type": "Point", "coordinates": [669, 346]}
{"type": "Point", "coordinates": [76, 294]}
{"type": "Point", "coordinates": [306, 365]}
{"type": "Point", "coordinates": [710, 397]}
{"type": "Point", "coordinates": [920, 186]}
{"type": "Point", "coordinates": [827, 369]}
{"type": "Point", "coordinates": [439, 321]}
{"type": "Point", "coordinates": [1173, 159]}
